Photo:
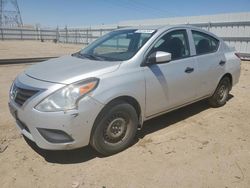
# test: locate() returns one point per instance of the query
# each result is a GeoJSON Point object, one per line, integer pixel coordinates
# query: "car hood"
{"type": "Point", "coordinates": [69, 69]}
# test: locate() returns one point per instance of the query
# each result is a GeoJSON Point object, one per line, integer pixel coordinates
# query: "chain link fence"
{"type": "Point", "coordinates": [236, 34]}
{"type": "Point", "coordinates": [65, 35]}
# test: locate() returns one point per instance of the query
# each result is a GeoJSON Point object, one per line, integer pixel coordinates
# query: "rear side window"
{"type": "Point", "coordinates": [204, 43]}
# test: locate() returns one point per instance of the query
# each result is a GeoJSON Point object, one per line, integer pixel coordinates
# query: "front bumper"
{"type": "Point", "coordinates": [77, 124]}
{"type": "Point", "coordinates": [56, 130]}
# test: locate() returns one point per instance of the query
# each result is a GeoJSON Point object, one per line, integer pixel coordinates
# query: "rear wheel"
{"type": "Point", "coordinates": [221, 93]}
{"type": "Point", "coordinates": [115, 128]}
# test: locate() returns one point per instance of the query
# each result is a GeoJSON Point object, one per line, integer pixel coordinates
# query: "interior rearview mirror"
{"type": "Point", "coordinates": [159, 57]}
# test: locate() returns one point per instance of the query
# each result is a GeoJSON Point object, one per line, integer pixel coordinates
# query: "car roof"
{"type": "Point", "coordinates": [166, 27]}
{"type": "Point", "coordinates": [157, 27]}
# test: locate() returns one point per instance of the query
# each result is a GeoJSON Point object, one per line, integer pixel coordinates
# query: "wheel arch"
{"type": "Point", "coordinates": [125, 98]}
{"type": "Point", "coordinates": [130, 100]}
{"type": "Point", "coordinates": [229, 75]}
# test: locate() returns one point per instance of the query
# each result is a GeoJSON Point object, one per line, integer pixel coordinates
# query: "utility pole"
{"type": "Point", "coordinates": [10, 13]}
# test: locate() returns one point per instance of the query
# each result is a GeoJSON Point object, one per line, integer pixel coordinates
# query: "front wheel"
{"type": "Point", "coordinates": [221, 93]}
{"type": "Point", "coordinates": [115, 129]}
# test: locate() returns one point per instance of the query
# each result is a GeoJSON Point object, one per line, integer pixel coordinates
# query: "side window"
{"type": "Point", "coordinates": [204, 43]}
{"type": "Point", "coordinates": [175, 42]}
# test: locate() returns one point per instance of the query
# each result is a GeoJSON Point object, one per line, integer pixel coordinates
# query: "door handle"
{"type": "Point", "coordinates": [189, 70]}
{"type": "Point", "coordinates": [221, 63]}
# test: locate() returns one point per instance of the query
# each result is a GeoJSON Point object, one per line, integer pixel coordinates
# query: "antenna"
{"type": "Point", "coordinates": [10, 15]}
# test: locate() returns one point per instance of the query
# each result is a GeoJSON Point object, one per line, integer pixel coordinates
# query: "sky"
{"type": "Point", "coordinates": [79, 13]}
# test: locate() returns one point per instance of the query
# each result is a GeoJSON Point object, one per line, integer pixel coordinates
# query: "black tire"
{"type": "Point", "coordinates": [114, 129]}
{"type": "Point", "coordinates": [220, 96]}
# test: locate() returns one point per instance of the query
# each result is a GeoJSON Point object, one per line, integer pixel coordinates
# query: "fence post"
{"type": "Point", "coordinates": [41, 34]}
{"type": "Point", "coordinates": [57, 34]}
{"type": "Point", "coordinates": [66, 33]}
{"type": "Point", "coordinates": [76, 36]}
{"type": "Point", "coordinates": [21, 32]}
{"type": "Point", "coordinates": [2, 33]}
{"type": "Point", "coordinates": [209, 26]}
{"type": "Point", "coordinates": [37, 34]}
{"type": "Point", "coordinates": [87, 36]}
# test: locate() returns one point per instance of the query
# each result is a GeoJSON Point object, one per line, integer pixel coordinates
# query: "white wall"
{"type": "Point", "coordinates": [233, 30]}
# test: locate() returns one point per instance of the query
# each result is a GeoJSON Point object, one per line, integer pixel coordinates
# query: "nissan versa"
{"type": "Point", "coordinates": [102, 94]}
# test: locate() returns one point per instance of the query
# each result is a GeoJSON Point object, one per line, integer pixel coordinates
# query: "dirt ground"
{"type": "Point", "coordinates": [196, 146]}
{"type": "Point", "coordinates": [29, 49]}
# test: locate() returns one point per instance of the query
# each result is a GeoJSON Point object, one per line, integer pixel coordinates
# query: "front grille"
{"type": "Point", "coordinates": [21, 95]}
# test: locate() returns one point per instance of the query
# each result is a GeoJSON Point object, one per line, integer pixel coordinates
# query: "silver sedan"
{"type": "Point", "coordinates": [102, 94]}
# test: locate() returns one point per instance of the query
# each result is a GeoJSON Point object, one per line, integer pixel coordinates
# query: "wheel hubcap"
{"type": "Point", "coordinates": [115, 130]}
{"type": "Point", "coordinates": [222, 93]}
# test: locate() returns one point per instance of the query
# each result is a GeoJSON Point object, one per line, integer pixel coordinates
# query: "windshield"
{"type": "Point", "coordinates": [118, 45]}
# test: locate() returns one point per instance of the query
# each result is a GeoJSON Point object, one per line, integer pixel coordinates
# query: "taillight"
{"type": "Point", "coordinates": [238, 55]}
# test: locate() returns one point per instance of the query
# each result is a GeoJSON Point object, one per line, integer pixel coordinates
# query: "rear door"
{"type": "Point", "coordinates": [174, 83]}
{"type": "Point", "coordinates": [210, 61]}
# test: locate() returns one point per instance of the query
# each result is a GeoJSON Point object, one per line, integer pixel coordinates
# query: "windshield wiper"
{"type": "Point", "coordinates": [89, 56]}
{"type": "Point", "coordinates": [109, 58]}
{"type": "Point", "coordinates": [95, 57]}
{"type": "Point", "coordinates": [75, 54]}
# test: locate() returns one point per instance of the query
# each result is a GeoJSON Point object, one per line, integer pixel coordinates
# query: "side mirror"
{"type": "Point", "coordinates": [159, 57]}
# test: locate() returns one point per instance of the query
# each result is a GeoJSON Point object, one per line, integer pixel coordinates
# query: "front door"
{"type": "Point", "coordinates": [174, 83]}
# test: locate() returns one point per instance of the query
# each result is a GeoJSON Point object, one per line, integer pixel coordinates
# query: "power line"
{"type": "Point", "coordinates": [162, 12]}
{"type": "Point", "coordinates": [131, 7]}
{"type": "Point", "coordinates": [143, 7]}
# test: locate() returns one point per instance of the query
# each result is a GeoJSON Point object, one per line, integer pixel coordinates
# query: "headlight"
{"type": "Point", "coordinates": [67, 97]}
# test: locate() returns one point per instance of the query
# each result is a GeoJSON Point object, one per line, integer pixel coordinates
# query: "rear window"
{"type": "Point", "coordinates": [204, 43]}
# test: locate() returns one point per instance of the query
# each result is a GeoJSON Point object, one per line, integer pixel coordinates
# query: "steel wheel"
{"type": "Point", "coordinates": [115, 128]}
{"type": "Point", "coordinates": [220, 95]}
